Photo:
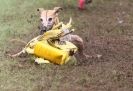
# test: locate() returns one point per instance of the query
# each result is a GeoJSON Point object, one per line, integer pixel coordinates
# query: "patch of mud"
{"type": "Point", "coordinates": [112, 48]}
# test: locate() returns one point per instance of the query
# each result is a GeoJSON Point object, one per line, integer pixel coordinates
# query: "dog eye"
{"type": "Point", "coordinates": [41, 19]}
{"type": "Point", "coordinates": [50, 19]}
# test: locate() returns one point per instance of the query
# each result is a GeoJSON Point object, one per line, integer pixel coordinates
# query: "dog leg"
{"type": "Point", "coordinates": [78, 41]}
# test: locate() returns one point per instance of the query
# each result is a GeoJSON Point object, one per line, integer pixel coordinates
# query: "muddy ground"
{"type": "Point", "coordinates": [106, 27]}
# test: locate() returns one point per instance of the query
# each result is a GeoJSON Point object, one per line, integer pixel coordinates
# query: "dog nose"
{"type": "Point", "coordinates": [43, 29]}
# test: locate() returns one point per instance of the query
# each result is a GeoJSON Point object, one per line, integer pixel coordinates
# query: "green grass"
{"type": "Point", "coordinates": [97, 25]}
{"type": "Point", "coordinates": [19, 19]}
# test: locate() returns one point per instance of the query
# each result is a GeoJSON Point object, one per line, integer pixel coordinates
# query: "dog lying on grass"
{"type": "Point", "coordinates": [51, 27]}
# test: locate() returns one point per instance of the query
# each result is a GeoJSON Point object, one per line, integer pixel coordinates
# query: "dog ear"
{"type": "Point", "coordinates": [57, 9]}
{"type": "Point", "coordinates": [40, 10]}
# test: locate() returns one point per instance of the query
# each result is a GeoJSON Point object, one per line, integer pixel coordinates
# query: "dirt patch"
{"type": "Point", "coordinates": [106, 28]}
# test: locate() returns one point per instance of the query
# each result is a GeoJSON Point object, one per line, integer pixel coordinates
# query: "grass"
{"type": "Point", "coordinates": [98, 26]}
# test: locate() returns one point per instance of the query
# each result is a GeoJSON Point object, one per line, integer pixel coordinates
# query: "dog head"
{"type": "Point", "coordinates": [48, 17]}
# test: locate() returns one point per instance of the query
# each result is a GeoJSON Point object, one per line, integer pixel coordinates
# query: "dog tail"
{"type": "Point", "coordinates": [92, 56]}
